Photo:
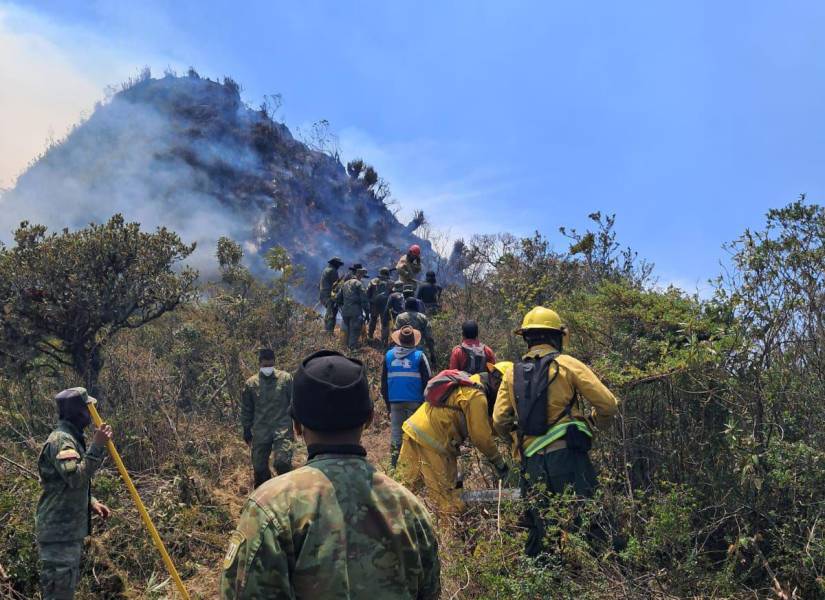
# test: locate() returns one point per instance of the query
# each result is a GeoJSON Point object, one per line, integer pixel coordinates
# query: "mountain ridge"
{"type": "Point", "coordinates": [187, 153]}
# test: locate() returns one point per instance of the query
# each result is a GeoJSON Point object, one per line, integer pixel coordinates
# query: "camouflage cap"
{"type": "Point", "coordinates": [77, 394]}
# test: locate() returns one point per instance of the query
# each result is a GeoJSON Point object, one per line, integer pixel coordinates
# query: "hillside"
{"type": "Point", "coordinates": [711, 475]}
{"type": "Point", "coordinates": [187, 153]}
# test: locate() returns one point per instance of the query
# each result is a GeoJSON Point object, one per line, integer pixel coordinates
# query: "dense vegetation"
{"type": "Point", "coordinates": [712, 476]}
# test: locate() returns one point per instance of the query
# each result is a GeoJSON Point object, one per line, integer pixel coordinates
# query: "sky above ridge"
{"type": "Point", "coordinates": [688, 120]}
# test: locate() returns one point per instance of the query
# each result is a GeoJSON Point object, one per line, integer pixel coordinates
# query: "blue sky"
{"type": "Point", "coordinates": [689, 120]}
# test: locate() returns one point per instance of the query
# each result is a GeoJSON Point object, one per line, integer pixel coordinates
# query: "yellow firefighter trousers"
{"type": "Point", "coordinates": [438, 471]}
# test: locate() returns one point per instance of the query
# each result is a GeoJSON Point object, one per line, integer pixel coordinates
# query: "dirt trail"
{"type": "Point", "coordinates": [234, 483]}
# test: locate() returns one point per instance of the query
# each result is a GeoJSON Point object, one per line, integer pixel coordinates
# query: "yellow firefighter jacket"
{"type": "Point", "coordinates": [574, 376]}
{"type": "Point", "coordinates": [444, 428]}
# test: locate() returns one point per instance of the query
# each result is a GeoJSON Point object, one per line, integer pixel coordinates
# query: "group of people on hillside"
{"type": "Point", "coordinates": [338, 527]}
{"type": "Point", "coordinates": [393, 304]}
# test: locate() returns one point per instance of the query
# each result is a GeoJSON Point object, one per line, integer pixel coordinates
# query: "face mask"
{"type": "Point", "coordinates": [267, 371]}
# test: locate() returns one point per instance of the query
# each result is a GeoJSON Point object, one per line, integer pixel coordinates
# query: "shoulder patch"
{"type": "Point", "coordinates": [235, 541]}
{"type": "Point", "coordinates": [68, 454]}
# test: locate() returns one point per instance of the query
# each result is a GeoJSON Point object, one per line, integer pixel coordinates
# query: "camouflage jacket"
{"type": "Point", "coordinates": [265, 403]}
{"type": "Point", "coordinates": [418, 321]}
{"type": "Point", "coordinates": [395, 305]}
{"type": "Point", "coordinates": [408, 268]}
{"type": "Point", "coordinates": [328, 279]}
{"type": "Point", "coordinates": [335, 528]}
{"type": "Point", "coordinates": [66, 471]}
{"type": "Point", "coordinates": [378, 290]}
{"type": "Point", "coordinates": [352, 298]}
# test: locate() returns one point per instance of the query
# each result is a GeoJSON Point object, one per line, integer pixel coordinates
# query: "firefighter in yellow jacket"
{"type": "Point", "coordinates": [457, 408]}
{"type": "Point", "coordinates": [540, 404]}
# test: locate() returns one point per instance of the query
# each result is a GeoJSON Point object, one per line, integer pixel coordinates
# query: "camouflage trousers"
{"type": "Point", "coordinates": [60, 569]}
{"type": "Point", "coordinates": [281, 445]}
{"type": "Point", "coordinates": [352, 326]}
{"type": "Point", "coordinates": [330, 314]}
{"type": "Point", "coordinates": [377, 314]}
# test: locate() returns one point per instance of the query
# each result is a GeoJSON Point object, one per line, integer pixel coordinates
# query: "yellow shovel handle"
{"type": "Point", "coordinates": [144, 515]}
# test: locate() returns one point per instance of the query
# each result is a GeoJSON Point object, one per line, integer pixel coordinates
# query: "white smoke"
{"type": "Point", "coordinates": [127, 159]}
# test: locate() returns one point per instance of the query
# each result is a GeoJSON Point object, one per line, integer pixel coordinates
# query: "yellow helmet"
{"type": "Point", "coordinates": [541, 318]}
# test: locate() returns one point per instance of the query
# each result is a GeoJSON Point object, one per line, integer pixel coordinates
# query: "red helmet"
{"type": "Point", "coordinates": [415, 250]}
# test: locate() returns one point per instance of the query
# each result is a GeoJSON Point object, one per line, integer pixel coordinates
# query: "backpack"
{"type": "Point", "coordinates": [336, 287]}
{"type": "Point", "coordinates": [531, 380]}
{"type": "Point", "coordinates": [442, 385]}
{"type": "Point", "coordinates": [476, 358]}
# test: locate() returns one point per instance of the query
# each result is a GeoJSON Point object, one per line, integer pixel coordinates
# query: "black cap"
{"type": "Point", "coordinates": [411, 304]}
{"type": "Point", "coordinates": [266, 354]}
{"type": "Point", "coordinates": [336, 260]}
{"type": "Point", "coordinates": [356, 267]}
{"type": "Point", "coordinates": [430, 276]}
{"type": "Point", "coordinates": [330, 392]}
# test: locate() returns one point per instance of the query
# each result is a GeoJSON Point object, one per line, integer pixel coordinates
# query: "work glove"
{"type": "Point", "coordinates": [502, 470]}
{"type": "Point", "coordinates": [247, 435]}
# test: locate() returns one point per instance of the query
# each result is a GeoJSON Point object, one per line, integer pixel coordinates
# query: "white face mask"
{"type": "Point", "coordinates": [267, 371]}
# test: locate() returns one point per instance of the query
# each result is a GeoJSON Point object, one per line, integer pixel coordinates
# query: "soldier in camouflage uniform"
{"type": "Point", "coordinates": [335, 528]}
{"type": "Point", "coordinates": [267, 426]}
{"type": "Point", "coordinates": [328, 280]}
{"type": "Point", "coordinates": [418, 321]}
{"type": "Point", "coordinates": [395, 306]}
{"type": "Point", "coordinates": [352, 298]}
{"type": "Point", "coordinates": [378, 291]}
{"type": "Point", "coordinates": [64, 511]}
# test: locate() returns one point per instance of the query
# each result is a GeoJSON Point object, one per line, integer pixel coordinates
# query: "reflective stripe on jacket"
{"type": "Point", "coordinates": [444, 428]}
{"type": "Point", "coordinates": [404, 382]}
{"type": "Point", "coordinates": [574, 376]}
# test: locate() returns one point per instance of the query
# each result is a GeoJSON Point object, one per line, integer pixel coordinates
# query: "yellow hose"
{"type": "Point", "coordinates": [147, 520]}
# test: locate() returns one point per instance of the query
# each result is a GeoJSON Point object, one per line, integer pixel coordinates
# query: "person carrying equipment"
{"type": "Point", "coordinates": [329, 278]}
{"type": "Point", "coordinates": [404, 375]}
{"type": "Point", "coordinates": [417, 320]}
{"type": "Point", "coordinates": [409, 266]}
{"type": "Point", "coordinates": [352, 298]}
{"type": "Point", "coordinates": [471, 356]}
{"type": "Point", "coordinates": [378, 291]}
{"type": "Point", "coordinates": [336, 527]}
{"type": "Point", "coordinates": [456, 409]}
{"type": "Point", "coordinates": [64, 511]}
{"type": "Point", "coordinates": [267, 427]}
{"type": "Point", "coordinates": [429, 293]}
{"type": "Point", "coordinates": [540, 402]}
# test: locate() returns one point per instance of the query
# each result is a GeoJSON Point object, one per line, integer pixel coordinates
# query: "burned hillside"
{"type": "Point", "coordinates": [187, 153]}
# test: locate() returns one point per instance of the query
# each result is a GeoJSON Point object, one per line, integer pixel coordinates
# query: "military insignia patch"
{"type": "Point", "coordinates": [68, 454]}
{"type": "Point", "coordinates": [235, 541]}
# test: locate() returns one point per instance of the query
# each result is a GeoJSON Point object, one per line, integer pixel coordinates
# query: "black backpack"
{"type": "Point", "coordinates": [531, 379]}
{"type": "Point", "coordinates": [476, 362]}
